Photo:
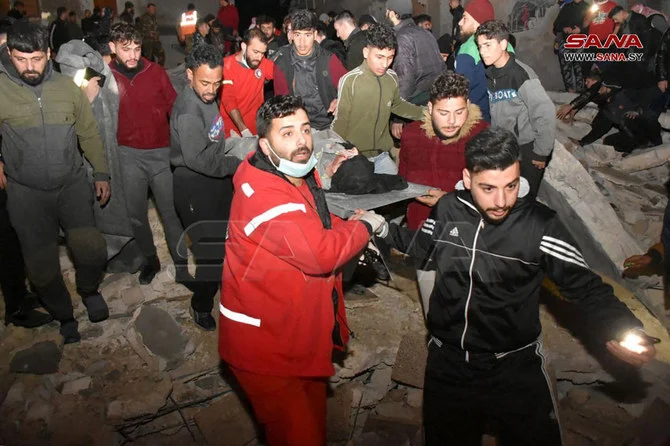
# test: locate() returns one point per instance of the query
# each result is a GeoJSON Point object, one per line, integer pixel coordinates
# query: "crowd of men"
{"type": "Point", "coordinates": [95, 125]}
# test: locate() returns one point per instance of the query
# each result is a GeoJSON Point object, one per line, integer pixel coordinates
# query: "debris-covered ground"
{"type": "Point", "coordinates": [148, 376]}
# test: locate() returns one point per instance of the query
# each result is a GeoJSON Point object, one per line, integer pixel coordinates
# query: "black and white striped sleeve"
{"type": "Point", "coordinates": [417, 244]}
{"type": "Point", "coordinates": [564, 263]}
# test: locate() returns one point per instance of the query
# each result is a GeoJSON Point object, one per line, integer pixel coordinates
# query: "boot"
{"type": "Point", "coordinates": [96, 306]}
{"type": "Point", "coordinates": [70, 332]}
{"type": "Point", "coordinates": [204, 320]}
{"type": "Point", "coordinates": [28, 318]}
{"type": "Point", "coordinates": [149, 270]}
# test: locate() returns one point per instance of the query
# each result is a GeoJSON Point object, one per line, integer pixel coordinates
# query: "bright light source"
{"type": "Point", "coordinates": [633, 342]}
{"type": "Point", "coordinates": [79, 78]}
{"type": "Point", "coordinates": [594, 8]}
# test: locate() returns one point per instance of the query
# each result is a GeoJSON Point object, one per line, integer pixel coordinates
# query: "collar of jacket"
{"type": "Point", "coordinates": [495, 72]}
{"type": "Point", "coordinates": [143, 64]}
{"type": "Point", "coordinates": [353, 33]}
{"type": "Point", "coordinates": [404, 23]}
{"type": "Point", "coordinates": [474, 116]}
{"type": "Point", "coordinates": [261, 162]}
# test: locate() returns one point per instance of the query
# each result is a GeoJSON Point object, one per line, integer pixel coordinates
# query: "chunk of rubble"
{"type": "Point", "coordinates": [645, 159]}
{"type": "Point", "coordinates": [40, 359]}
{"type": "Point", "coordinates": [157, 338]}
{"type": "Point", "coordinates": [410, 364]}
{"type": "Point", "coordinates": [227, 421]}
{"type": "Point", "coordinates": [143, 398]}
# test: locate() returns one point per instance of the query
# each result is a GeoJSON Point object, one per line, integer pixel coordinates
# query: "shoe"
{"type": "Point", "coordinates": [183, 277]}
{"type": "Point", "coordinates": [373, 260]}
{"type": "Point", "coordinates": [28, 318]}
{"type": "Point", "coordinates": [97, 307]}
{"type": "Point", "coordinates": [204, 320]}
{"type": "Point", "coordinates": [149, 270]}
{"type": "Point", "coordinates": [31, 301]}
{"type": "Point", "coordinates": [69, 331]}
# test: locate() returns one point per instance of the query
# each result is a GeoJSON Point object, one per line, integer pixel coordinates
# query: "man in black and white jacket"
{"type": "Point", "coordinates": [491, 247]}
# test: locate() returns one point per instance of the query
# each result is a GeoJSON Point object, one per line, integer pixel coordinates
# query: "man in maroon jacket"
{"type": "Point", "coordinates": [146, 97]}
{"type": "Point", "coordinates": [432, 151]}
{"type": "Point", "coordinates": [229, 18]}
{"type": "Point", "coordinates": [309, 71]}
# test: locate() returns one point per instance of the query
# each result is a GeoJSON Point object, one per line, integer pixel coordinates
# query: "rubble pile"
{"type": "Point", "coordinates": [148, 376]}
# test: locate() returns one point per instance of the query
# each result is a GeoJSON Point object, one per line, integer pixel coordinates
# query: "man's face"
{"type": "Point", "coordinates": [223, 3]}
{"type": "Point", "coordinates": [342, 30]}
{"type": "Point", "coordinates": [203, 29]}
{"type": "Point", "coordinates": [378, 60]}
{"type": "Point", "coordinates": [468, 26]}
{"type": "Point", "coordinates": [290, 137]}
{"type": "Point", "coordinates": [448, 115]}
{"type": "Point", "coordinates": [127, 53]}
{"type": "Point", "coordinates": [589, 82]}
{"type": "Point", "coordinates": [454, 3]}
{"type": "Point", "coordinates": [428, 26]}
{"type": "Point", "coordinates": [87, 14]}
{"type": "Point", "coordinates": [303, 40]}
{"type": "Point", "coordinates": [490, 49]}
{"type": "Point", "coordinates": [206, 82]}
{"type": "Point", "coordinates": [254, 52]}
{"type": "Point", "coordinates": [151, 10]}
{"type": "Point", "coordinates": [30, 66]}
{"type": "Point", "coordinates": [494, 191]}
{"type": "Point", "coordinates": [73, 18]}
{"type": "Point", "coordinates": [268, 29]}
{"type": "Point", "coordinates": [365, 26]}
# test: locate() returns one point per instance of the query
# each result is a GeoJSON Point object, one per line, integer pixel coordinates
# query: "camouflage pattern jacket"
{"type": "Point", "coordinates": [149, 27]}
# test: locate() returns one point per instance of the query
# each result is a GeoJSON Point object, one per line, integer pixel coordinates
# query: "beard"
{"type": "Point", "coordinates": [463, 36]}
{"type": "Point", "coordinates": [439, 134]}
{"type": "Point", "coordinates": [123, 64]}
{"type": "Point", "coordinates": [33, 80]}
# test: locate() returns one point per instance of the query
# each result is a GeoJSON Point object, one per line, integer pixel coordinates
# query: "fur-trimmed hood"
{"type": "Point", "coordinates": [474, 116]}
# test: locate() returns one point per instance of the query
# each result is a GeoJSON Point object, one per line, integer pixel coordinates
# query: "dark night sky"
{"type": "Point", "coordinates": [252, 8]}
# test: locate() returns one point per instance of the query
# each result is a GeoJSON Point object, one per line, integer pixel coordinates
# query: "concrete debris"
{"type": "Point", "coordinates": [39, 409]}
{"type": "Point", "coordinates": [15, 394]}
{"type": "Point", "coordinates": [143, 398]}
{"type": "Point", "coordinates": [157, 338]}
{"type": "Point", "coordinates": [40, 359]}
{"type": "Point", "coordinates": [215, 422]}
{"type": "Point", "coordinates": [339, 412]}
{"type": "Point", "coordinates": [379, 385]}
{"type": "Point", "coordinates": [415, 398]}
{"type": "Point", "coordinates": [410, 363]}
{"type": "Point", "coordinates": [645, 159]}
{"type": "Point", "coordinates": [76, 386]}
{"type": "Point", "coordinates": [132, 297]}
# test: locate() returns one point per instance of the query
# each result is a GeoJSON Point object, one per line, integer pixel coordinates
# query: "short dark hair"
{"type": "Point", "coordinates": [332, 14]}
{"type": "Point", "coordinates": [614, 11]}
{"type": "Point", "coordinates": [254, 33]}
{"type": "Point", "coordinates": [96, 11]}
{"type": "Point", "coordinates": [366, 19]}
{"type": "Point", "coordinates": [303, 20]}
{"type": "Point", "coordinates": [204, 54]}
{"type": "Point", "coordinates": [449, 85]}
{"type": "Point", "coordinates": [60, 11]}
{"type": "Point", "coordinates": [6, 25]}
{"type": "Point", "coordinates": [190, 7]}
{"type": "Point", "coordinates": [72, 14]}
{"type": "Point", "coordinates": [493, 29]}
{"type": "Point", "coordinates": [322, 29]}
{"type": "Point", "coordinates": [422, 18]}
{"type": "Point", "coordinates": [275, 108]}
{"type": "Point", "coordinates": [149, 5]}
{"type": "Point", "coordinates": [492, 149]}
{"type": "Point", "coordinates": [263, 19]}
{"type": "Point", "coordinates": [123, 32]}
{"type": "Point", "coordinates": [381, 35]}
{"type": "Point", "coordinates": [346, 16]}
{"type": "Point", "coordinates": [27, 37]}
{"type": "Point", "coordinates": [100, 43]}
{"type": "Point", "coordinates": [128, 5]}
{"type": "Point", "coordinates": [594, 75]}
{"type": "Point", "coordinates": [18, 3]}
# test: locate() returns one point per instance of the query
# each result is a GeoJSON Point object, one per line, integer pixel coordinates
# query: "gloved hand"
{"type": "Point", "coordinates": [379, 225]}
{"type": "Point", "coordinates": [246, 133]}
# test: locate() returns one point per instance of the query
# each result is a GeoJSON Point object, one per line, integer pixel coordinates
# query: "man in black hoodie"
{"type": "Point", "coordinates": [203, 188]}
{"type": "Point", "coordinates": [59, 31]}
{"type": "Point", "coordinates": [570, 21]}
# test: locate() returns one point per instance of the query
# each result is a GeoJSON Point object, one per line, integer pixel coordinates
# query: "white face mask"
{"type": "Point", "coordinates": [295, 170]}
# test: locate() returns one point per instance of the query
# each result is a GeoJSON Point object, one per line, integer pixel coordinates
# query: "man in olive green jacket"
{"type": "Point", "coordinates": [44, 115]}
{"type": "Point", "coordinates": [367, 97]}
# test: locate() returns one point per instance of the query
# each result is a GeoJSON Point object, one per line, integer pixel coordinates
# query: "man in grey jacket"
{"type": "Point", "coordinates": [417, 61]}
{"type": "Point", "coordinates": [519, 103]}
{"type": "Point", "coordinates": [203, 187]}
{"type": "Point", "coordinates": [46, 182]}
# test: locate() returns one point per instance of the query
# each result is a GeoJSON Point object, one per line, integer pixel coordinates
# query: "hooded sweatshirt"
{"type": "Point", "coordinates": [520, 104]}
{"type": "Point", "coordinates": [41, 128]}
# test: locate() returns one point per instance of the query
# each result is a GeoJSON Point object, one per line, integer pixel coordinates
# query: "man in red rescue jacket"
{"type": "Point", "coordinates": [281, 300]}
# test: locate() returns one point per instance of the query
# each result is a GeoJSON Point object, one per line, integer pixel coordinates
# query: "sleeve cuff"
{"type": "Point", "coordinates": [367, 226]}
{"type": "Point", "coordinates": [542, 158]}
{"type": "Point", "coordinates": [101, 176]}
{"type": "Point", "coordinates": [656, 257]}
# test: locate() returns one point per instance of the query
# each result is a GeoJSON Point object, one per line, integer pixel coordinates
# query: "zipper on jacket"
{"type": "Point", "coordinates": [379, 105]}
{"type": "Point", "coordinates": [44, 131]}
{"type": "Point", "coordinates": [467, 302]}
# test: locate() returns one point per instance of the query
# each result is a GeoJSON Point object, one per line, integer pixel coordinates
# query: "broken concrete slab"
{"type": "Point", "coordinates": [75, 386]}
{"type": "Point", "coordinates": [39, 409]}
{"type": "Point", "coordinates": [410, 364]}
{"type": "Point", "coordinates": [157, 338]}
{"type": "Point", "coordinates": [415, 398]}
{"type": "Point", "coordinates": [15, 395]}
{"type": "Point", "coordinates": [379, 385]}
{"type": "Point", "coordinates": [644, 159]}
{"type": "Point", "coordinates": [132, 297]}
{"type": "Point", "coordinates": [215, 422]}
{"type": "Point", "coordinates": [569, 190]}
{"type": "Point", "coordinates": [142, 398]}
{"type": "Point", "coordinates": [40, 359]}
{"type": "Point", "coordinates": [398, 412]}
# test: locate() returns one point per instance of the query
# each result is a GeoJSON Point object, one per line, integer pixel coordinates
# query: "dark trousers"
{"type": "Point", "coordinates": [510, 396]}
{"type": "Point", "coordinates": [600, 125]}
{"type": "Point", "coordinates": [528, 170]}
{"type": "Point", "coordinates": [12, 269]}
{"type": "Point", "coordinates": [37, 216]}
{"type": "Point", "coordinates": [143, 170]}
{"type": "Point", "coordinates": [203, 205]}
